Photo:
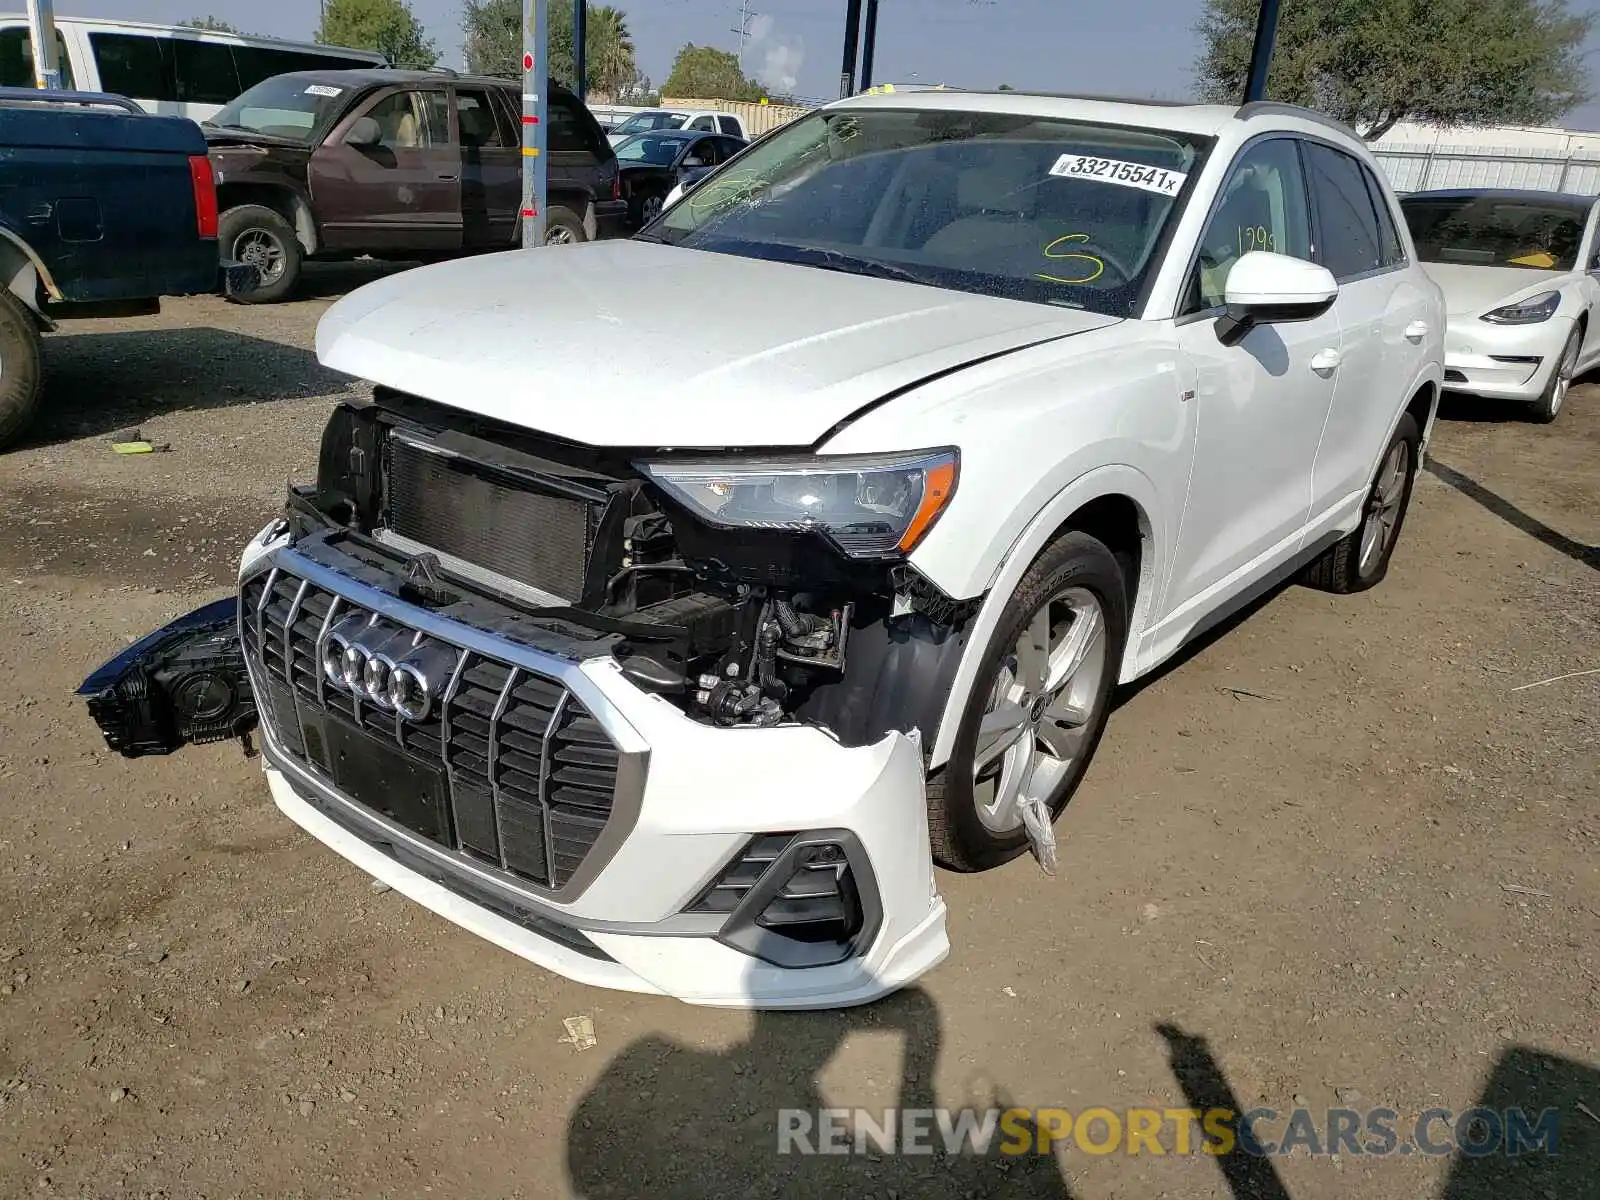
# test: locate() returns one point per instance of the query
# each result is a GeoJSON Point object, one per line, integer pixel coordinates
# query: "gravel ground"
{"type": "Point", "coordinates": [1334, 856]}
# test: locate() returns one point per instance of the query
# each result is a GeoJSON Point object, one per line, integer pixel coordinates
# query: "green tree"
{"type": "Point", "coordinates": [493, 43]}
{"type": "Point", "coordinates": [387, 26]}
{"type": "Point", "coordinates": [1372, 63]}
{"type": "Point", "coordinates": [213, 24]}
{"type": "Point", "coordinates": [706, 73]}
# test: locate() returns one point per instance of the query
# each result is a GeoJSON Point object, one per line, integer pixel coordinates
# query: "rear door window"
{"type": "Point", "coordinates": [479, 128]}
{"type": "Point", "coordinates": [135, 66]}
{"type": "Point", "coordinates": [1348, 241]}
{"type": "Point", "coordinates": [730, 125]}
{"type": "Point", "coordinates": [702, 125]}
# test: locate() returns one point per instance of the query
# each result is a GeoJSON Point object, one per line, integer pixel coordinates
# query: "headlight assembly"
{"type": "Point", "coordinates": [1526, 312]}
{"type": "Point", "coordinates": [869, 506]}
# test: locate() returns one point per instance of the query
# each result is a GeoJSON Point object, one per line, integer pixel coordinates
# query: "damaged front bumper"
{"type": "Point", "coordinates": [550, 805]}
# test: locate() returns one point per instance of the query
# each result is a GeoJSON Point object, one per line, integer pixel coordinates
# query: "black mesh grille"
{"type": "Point", "coordinates": [458, 508]}
{"type": "Point", "coordinates": [529, 775]}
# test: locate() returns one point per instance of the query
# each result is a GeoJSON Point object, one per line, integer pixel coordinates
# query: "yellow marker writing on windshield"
{"type": "Point", "coordinates": [1093, 265]}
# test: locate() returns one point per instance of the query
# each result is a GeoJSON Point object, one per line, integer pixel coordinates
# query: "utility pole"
{"type": "Point", "coordinates": [852, 47]}
{"type": "Point", "coordinates": [535, 114]}
{"type": "Point", "coordinates": [580, 47]}
{"type": "Point", "coordinates": [742, 29]}
{"type": "Point", "coordinates": [42, 34]}
{"type": "Point", "coordinates": [869, 44]}
{"type": "Point", "coordinates": [1255, 87]}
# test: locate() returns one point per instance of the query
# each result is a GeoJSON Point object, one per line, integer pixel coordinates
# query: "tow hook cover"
{"type": "Point", "coordinates": [185, 683]}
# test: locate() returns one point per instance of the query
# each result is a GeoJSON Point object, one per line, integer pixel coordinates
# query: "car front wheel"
{"type": "Point", "coordinates": [259, 237]}
{"type": "Point", "coordinates": [1548, 407]}
{"type": "Point", "coordinates": [1038, 708]}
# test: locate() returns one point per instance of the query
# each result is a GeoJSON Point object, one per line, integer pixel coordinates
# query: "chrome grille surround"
{"type": "Point", "coordinates": [544, 778]}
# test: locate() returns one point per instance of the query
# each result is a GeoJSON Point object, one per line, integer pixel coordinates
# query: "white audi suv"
{"type": "Point", "coordinates": [675, 604]}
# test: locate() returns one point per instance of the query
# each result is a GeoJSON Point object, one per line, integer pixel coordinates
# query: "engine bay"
{"type": "Point", "coordinates": [739, 627]}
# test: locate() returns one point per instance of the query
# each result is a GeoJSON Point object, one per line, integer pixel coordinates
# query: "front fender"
{"type": "Point", "coordinates": [1118, 480]}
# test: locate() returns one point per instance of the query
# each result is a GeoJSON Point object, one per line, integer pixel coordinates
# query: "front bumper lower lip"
{"type": "Point", "coordinates": [1476, 350]}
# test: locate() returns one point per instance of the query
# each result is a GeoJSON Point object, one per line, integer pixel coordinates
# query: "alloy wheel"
{"type": "Point", "coordinates": [1564, 373]}
{"type": "Point", "coordinates": [261, 249]}
{"type": "Point", "coordinates": [650, 209]}
{"type": "Point", "coordinates": [1383, 507]}
{"type": "Point", "coordinates": [1041, 709]}
{"type": "Point", "coordinates": [558, 235]}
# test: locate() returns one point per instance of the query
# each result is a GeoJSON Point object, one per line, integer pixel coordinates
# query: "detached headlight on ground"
{"type": "Point", "coordinates": [869, 506]}
{"type": "Point", "coordinates": [1526, 312]}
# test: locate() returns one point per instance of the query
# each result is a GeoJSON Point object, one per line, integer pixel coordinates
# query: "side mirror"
{"type": "Point", "coordinates": [365, 132]}
{"type": "Point", "coordinates": [1267, 289]}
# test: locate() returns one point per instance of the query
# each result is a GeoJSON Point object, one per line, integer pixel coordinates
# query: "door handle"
{"type": "Point", "coordinates": [1416, 331]}
{"type": "Point", "coordinates": [1326, 362]}
{"type": "Point", "coordinates": [448, 178]}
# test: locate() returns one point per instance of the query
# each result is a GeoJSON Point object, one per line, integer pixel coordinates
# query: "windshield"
{"type": "Point", "coordinates": [1494, 231]}
{"type": "Point", "coordinates": [658, 151]}
{"type": "Point", "coordinates": [1022, 207]}
{"type": "Point", "coordinates": [645, 122]}
{"type": "Point", "coordinates": [286, 106]}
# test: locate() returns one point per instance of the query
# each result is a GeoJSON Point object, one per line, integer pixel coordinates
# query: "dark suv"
{"type": "Point", "coordinates": [395, 164]}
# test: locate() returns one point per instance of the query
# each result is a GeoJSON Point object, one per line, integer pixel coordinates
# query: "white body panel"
{"type": "Point", "coordinates": [83, 68]}
{"type": "Point", "coordinates": [1236, 457]}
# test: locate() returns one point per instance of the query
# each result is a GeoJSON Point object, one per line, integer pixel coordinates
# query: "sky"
{"type": "Point", "coordinates": [1125, 47]}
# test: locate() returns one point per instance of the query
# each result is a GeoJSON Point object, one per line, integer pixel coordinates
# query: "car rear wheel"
{"type": "Point", "coordinates": [562, 227]}
{"type": "Point", "coordinates": [650, 207]}
{"type": "Point", "coordinates": [1548, 407]}
{"type": "Point", "coordinates": [259, 237]}
{"type": "Point", "coordinates": [21, 367]}
{"type": "Point", "coordinates": [1035, 716]}
{"type": "Point", "coordinates": [1361, 559]}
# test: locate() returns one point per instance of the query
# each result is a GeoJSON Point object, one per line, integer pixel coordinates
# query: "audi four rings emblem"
{"type": "Point", "coordinates": [397, 669]}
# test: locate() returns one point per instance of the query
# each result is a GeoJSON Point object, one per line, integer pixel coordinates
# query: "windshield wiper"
{"type": "Point", "coordinates": [850, 264]}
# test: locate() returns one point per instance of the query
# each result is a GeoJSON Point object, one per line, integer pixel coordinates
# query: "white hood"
{"type": "Point", "coordinates": [1473, 291]}
{"type": "Point", "coordinates": [631, 343]}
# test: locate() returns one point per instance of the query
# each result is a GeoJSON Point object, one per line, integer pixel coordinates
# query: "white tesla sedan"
{"type": "Point", "coordinates": [1520, 272]}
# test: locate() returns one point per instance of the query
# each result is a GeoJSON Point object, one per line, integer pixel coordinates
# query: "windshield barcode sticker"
{"type": "Point", "coordinates": [1124, 174]}
{"type": "Point", "coordinates": [322, 89]}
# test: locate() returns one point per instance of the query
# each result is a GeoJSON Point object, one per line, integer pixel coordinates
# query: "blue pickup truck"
{"type": "Point", "coordinates": [104, 209]}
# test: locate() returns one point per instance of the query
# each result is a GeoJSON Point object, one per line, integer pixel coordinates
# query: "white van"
{"type": "Point", "coordinates": [173, 70]}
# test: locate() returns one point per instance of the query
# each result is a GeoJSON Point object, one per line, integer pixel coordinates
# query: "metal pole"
{"type": "Point", "coordinates": [869, 44]}
{"type": "Point", "coordinates": [580, 47]}
{"type": "Point", "coordinates": [42, 35]}
{"type": "Point", "coordinates": [1261, 52]}
{"type": "Point", "coordinates": [535, 118]}
{"type": "Point", "coordinates": [852, 47]}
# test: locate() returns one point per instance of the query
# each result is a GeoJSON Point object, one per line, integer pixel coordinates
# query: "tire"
{"type": "Point", "coordinates": [1344, 568]}
{"type": "Point", "coordinates": [648, 209]}
{"type": "Point", "coordinates": [21, 367]}
{"type": "Point", "coordinates": [1548, 407]}
{"type": "Point", "coordinates": [1072, 572]}
{"type": "Point", "coordinates": [252, 233]}
{"type": "Point", "coordinates": [562, 227]}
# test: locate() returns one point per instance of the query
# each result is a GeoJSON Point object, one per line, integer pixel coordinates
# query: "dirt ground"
{"type": "Point", "coordinates": [1366, 876]}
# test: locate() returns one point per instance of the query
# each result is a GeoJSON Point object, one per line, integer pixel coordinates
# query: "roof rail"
{"type": "Point", "coordinates": [1256, 108]}
{"type": "Point", "coordinates": [17, 95]}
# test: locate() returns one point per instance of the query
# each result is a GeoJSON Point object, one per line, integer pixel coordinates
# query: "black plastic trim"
{"type": "Point", "coordinates": [742, 933]}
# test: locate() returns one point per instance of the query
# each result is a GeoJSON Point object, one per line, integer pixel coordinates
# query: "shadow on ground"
{"type": "Point", "coordinates": [97, 383]}
{"type": "Point", "coordinates": [670, 1121]}
{"type": "Point", "coordinates": [1534, 1082]}
{"type": "Point", "coordinates": [1508, 512]}
{"type": "Point", "coordinates": [327, 281]}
